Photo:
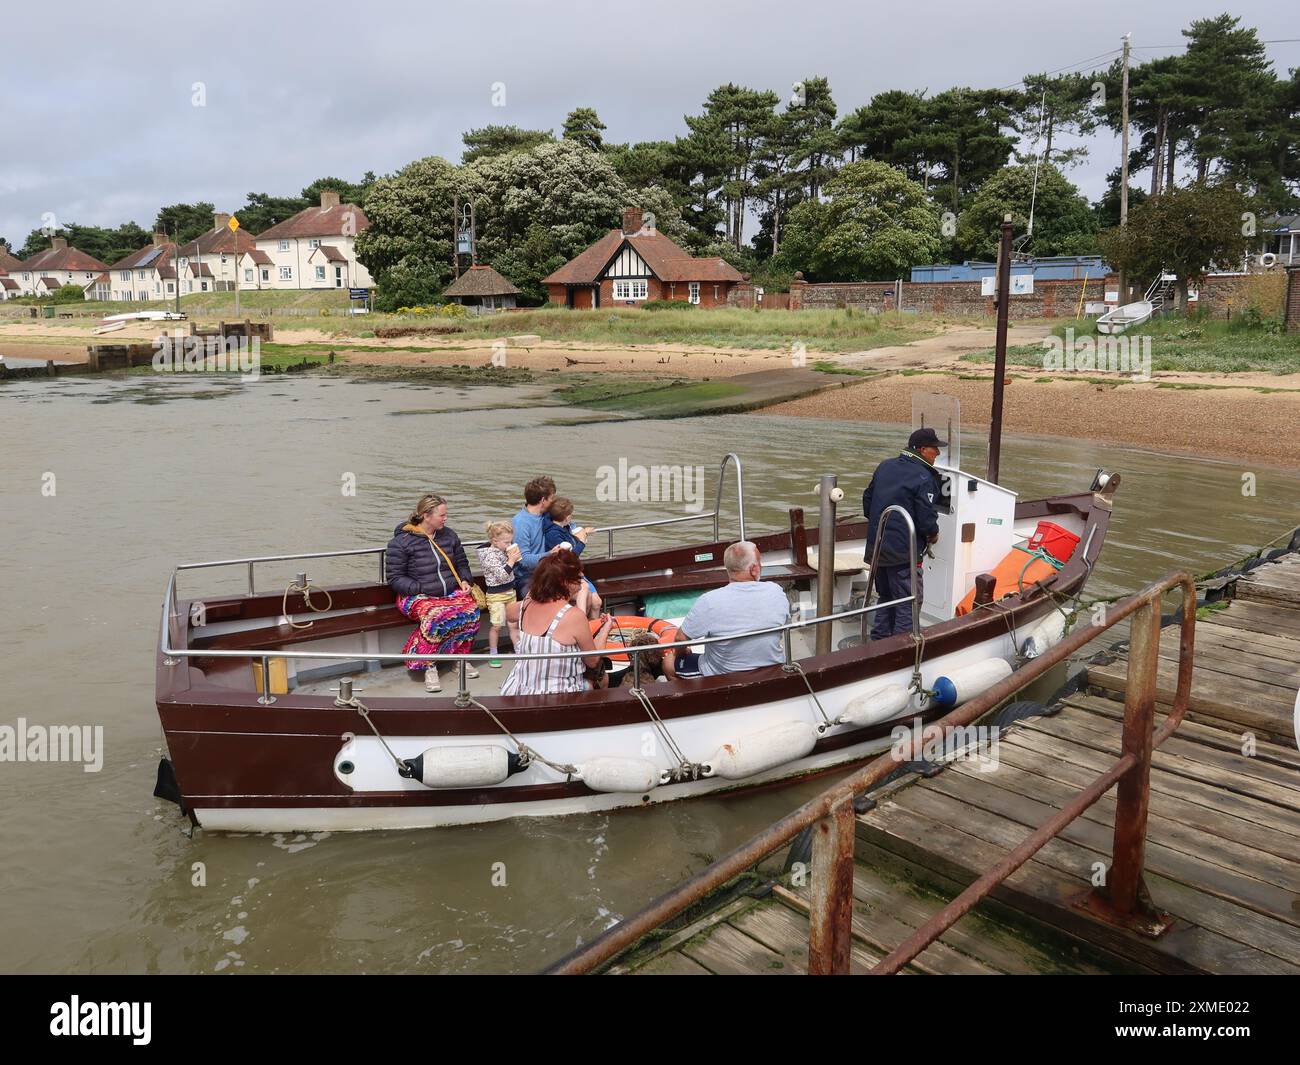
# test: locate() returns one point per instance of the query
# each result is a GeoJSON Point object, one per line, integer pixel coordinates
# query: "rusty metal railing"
{"type": "Point", "coordinates": [1123, 901]}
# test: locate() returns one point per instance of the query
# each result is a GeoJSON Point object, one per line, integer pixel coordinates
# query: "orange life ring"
{"type": "Point", "coordinates": [625, 624]}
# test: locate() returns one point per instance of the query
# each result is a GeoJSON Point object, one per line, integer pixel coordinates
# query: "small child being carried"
{"type": "Point", "coordinates": [557, 531]}
{"type": "Point", "coordinates": [497, 561]}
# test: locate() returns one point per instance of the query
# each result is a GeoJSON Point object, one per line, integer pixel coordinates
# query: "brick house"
{"type": "Point", "coordinates": [59, 262]}
{"type": "Point", "coordinates": [9, 265]}
{"type": "Point", "coordinates": [631, 265]}
{"type": "Point", "coordinates": [148, 273]}
{"type": "Point", "coordinates": [211, 261]}
{"type": "Point", "coordinates": [316, 248]}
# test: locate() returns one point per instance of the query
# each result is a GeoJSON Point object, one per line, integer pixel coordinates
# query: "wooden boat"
{"type": "Point", "coordinates": [271, 727]}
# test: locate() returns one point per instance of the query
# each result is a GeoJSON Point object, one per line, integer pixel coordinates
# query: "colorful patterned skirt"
{"type": "Point", "coordinates": [446, 625]}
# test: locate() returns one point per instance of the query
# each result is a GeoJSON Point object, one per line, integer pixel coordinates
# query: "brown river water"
{"type": "Point", "coordinates": [96, 875]}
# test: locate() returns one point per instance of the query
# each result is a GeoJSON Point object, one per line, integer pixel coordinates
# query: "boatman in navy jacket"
{"type": "Point", "coordinates": [911, 482]}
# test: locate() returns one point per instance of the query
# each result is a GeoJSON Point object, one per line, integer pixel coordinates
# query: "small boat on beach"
{"type": "Point", "coordinates": [145, 316]}
{"type": "Point", "coordinates": [287, 710]}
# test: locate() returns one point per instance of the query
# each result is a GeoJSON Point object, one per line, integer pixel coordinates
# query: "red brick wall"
{"type": "Point", "coordinates": [1050, 299]}
{"type": "Point", "coordinates": [1291, 313]}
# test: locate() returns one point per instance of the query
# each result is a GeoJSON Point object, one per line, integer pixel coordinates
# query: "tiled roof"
{"type": "Point", "coordinates": [8, 282]}
{"type": "Point", "coordinates": [9, 263]}
{"type": "Point", "coordinates": [666, 260]}
{"type": "Point", "coordinates": [50, 282]}
{"type": "Point", "coordinates": [150, 256]}
{"type": "Point", "coordinates": [219, 241]}
{"type": "Point", "coordinates": [347, 219]}
{"type": "Point", "coordinates": [200, 270]}
{"type": "Point", "coordinates": [480, 281]}
{"type": "Point", "coordinates": [259, 257]}
{"type": "Point", "coordinates": [330, 252]}
{"type": "Point", "coordinates": [63, 259]}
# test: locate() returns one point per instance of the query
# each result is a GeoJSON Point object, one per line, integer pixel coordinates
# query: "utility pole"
{"type": "Point", "coordinates": [1123, 162]}
{"type": "Point", "coordinates": [1000, 349]}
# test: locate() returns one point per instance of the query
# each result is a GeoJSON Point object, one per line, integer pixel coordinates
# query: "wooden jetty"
{"type": "Point", "coordinates": [1217, 866]}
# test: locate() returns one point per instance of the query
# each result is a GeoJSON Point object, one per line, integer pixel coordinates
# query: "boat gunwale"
{"type": "Point", "coordinates": [177, 693]}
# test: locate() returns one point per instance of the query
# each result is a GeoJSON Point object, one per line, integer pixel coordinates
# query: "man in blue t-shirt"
{"type": "Point", "coordinates": [539, 494]}
{"type": "Point", "coordinates": [744, 604]}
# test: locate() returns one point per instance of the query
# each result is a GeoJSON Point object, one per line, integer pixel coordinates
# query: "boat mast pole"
{"type": "Point", "coordinates": [1000, 349]}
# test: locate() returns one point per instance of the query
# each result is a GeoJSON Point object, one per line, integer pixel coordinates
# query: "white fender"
{"type": "Point", "coordinates": [1045, 635]}
{"type": "Point", "coordinates": [762, 750]}
{"type": "Point", "coordinates": [461, 767]}
{"type": "Point", "coordinates": [608, 772]}
{"type": "Point", "coordinates": [879, 704]}
{"type": "Point", "coordinates": [967, 682]}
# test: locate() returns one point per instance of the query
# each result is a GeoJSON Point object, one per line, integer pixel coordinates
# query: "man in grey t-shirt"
{"type": "Point", "coordinates": [745, 604]}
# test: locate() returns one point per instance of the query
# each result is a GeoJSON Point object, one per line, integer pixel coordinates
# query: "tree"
{"type": "Point", "coordinates": [964, 134]}
{"type": "Point", "coordinates": [890, 129]}
{"type": "Point", "coordinates": [1185, 231]}
{"type": "Point", "coordinates": [182, 222]}
{"type": "Point", "coordinates": [646, 163]}
{"type": "Point", "coordinates": [1064, 224]}
{"type": "Point", "coordinates": [498, 140]}
{"type": "Point", "coordinates": [106, 245]}
{"type": "Point", "coordinates": [408, 244]}
{"type": "Point", "coordinates": [1053, 105]}
{"type": "Point", "coordinates": [733, 125]}
{"type": "Point", "coordinates": [875, 225]}
{"type": "Point", "coordinates": [538, 208]}
{"type": "Point", "coordinates": [811, 115]}
{"type": "Point", "coordinates": [584, 126]}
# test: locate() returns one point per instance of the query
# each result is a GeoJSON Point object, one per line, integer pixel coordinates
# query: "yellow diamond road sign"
{"type": "Point", "coordinates": [233, 223]}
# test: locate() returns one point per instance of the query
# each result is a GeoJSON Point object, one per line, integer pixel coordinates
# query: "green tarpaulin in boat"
{"type": "Point", "coordinates": [670, 605]}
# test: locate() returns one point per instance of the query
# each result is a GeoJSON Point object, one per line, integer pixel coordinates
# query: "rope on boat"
{"type": "Point", "coordinates": [686, 769]}
{"type": "Point", "coordinates": [364, 711]}
{"type": "Point", "coordinates": [795, 667]}
{"type": "Point", "coordinates": [526, 753]}
{"type": "Point", "coordinates": [306, 596]}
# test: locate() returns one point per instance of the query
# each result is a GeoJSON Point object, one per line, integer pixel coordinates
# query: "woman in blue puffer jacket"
{"type": "Point", "coordinates": [427, 568]}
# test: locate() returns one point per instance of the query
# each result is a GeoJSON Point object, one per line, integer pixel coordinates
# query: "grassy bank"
{"type": "Point", "coordinates": [820, 330]}
{"type": "Point", "coordinates": [1183, 345]}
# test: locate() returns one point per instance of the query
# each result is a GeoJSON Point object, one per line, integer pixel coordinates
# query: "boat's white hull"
{"type": "Point", "coordinates": [1125, 317]}
{"type": "Point", "coordinates": [373, 774]}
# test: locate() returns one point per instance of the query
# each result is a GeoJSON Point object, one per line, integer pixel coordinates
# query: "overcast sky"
{"type": "Point", "coordinates": [99, 124]}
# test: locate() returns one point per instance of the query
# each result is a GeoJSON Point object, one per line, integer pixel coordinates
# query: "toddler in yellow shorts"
{"type": "Point", "coordinates": [497, 561]}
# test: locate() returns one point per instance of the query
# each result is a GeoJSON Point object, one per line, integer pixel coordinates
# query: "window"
{"type": "Point", "coordinates": [28, 277]}
{"type": "Point", "coordinates": [693, 292]}
{"type": "Point", "coordinates": [320, 273]}
{"type": "Point", "coordinates": [223, 260]}
{"type": "Point", "coordinates": [203, 285]}
{"type": "Point", "coordinates": [266, 274]}
{"type": "Point", "coordinates": [314, 242]}
{"type": "Point", "coordinates": [284, 245]}
{"type": "Point", "coordinates": [142, 274]}
{"type": "Point", "coordinates": [715, 293]}
{"type": "Point", "coordinates": [286, 273]}
{"type": "Point", "coordinates": [125, 275]}
{"type": "Point", "coordinates": [630, 290]}
{"type": "Point", "coordinates": [157, 287]}
{"type": "Point", "coordinates": [171, 287]}
{"type": "Point", "coordinates": [248, 275]}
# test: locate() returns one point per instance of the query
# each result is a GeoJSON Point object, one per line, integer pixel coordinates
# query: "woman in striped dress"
{"type": "Point", "coordinates": [547, 623]}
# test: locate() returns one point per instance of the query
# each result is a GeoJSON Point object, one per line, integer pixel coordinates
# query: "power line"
{"type": "Point", "coordinates": [1070, 66]}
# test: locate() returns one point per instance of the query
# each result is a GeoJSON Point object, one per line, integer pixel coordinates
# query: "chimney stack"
{"type": "Point", "coordinates": [328, 199]}
{"type": "Point", "coordinates": [220, 219]}
{"type": "Point", "coordinates": [159, 239]}
{"type": "Point", "coordinates": [632, 220]}
{"type": "Point", "coordinates": [58, 243]}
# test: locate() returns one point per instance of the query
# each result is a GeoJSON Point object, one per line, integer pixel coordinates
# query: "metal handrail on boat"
{"type": "Point", "coordinates": [172, 655]}
{"type": "Point", "coordinates": [610, 530]}
{"type": "Point", "coordinates": [1123, 901]}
